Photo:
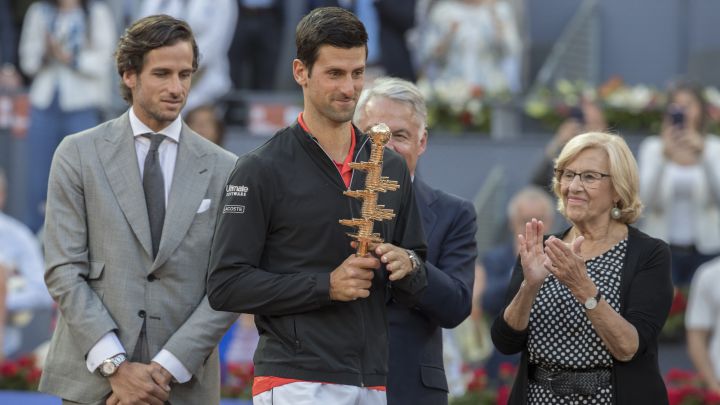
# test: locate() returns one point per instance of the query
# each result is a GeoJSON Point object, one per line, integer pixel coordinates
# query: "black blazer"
{"type": "Point", "coordinates": [646, 293]}
{"type": "Point", "coordinates": [417, 375]}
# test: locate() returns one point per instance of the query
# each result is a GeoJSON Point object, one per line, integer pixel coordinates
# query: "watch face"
{"type": "Point", "coordinates": [591, 303]}
{"type": "Point", "coordinates": [108, 368]}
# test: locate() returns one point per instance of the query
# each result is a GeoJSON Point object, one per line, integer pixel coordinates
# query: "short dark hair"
{"type": "Point", "coordinates": [144, 35]}
{"type": "Point", "coordinates": [333, 26]}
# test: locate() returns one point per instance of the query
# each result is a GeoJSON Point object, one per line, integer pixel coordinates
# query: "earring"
{"type": "Point", "coordinates": [615, 212]}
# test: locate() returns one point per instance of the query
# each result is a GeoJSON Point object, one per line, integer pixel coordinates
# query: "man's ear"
{"type": "Point", "coordinates": [423, 141]}
{"type": "Point", "coordinates": [300, 72]}
{"type": "Point", "coordinates": [129, 77]}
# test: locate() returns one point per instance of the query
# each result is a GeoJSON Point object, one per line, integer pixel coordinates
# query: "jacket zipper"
{"type": "Point", "coordinates": [332, 162]}
{"type": "Point", "coordinates": [362, 315]}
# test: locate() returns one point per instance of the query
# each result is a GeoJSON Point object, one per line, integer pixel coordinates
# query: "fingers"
{"type": "Point", "coordinates": [555, 250]}
{"type": "Point", "coordinates": [160, 376]}
{"type": "Point", "coordinates": [364, 262]}
{"type": "Point", "coordinates": [360, 293]}
{"type": "Point", "coordinates": [396, 260]}
{"type": "Point", "coordinates": [113, 400]}
{"type": "Point", "coordinates": [398, 274]}
{"type": "Point", "coordinates": [534, 230]}
{"type": "Point", "coordinates": [548, 264]}
{"type": "Point", "coordinates": [522, 243]}
{"type": "Point", "coordinates": [577, 244]}
{"type": "Point", "coordinates": [531, 232]}
{"type": "Point", "coordinates": [158, 396]}
{"type": "Point", "coordinates": [353, 278]}
{"type": "Point", "coordinates": [392, 259]}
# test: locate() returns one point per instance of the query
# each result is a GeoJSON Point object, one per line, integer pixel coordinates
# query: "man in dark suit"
{"type": "Point", "coordinates": [417, 375]}
{"type": "Point", "coordinates": [130, 217]}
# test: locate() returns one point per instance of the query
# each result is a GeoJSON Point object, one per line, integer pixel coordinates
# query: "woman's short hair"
{"type": "Point", "coordinates": [623, 170]}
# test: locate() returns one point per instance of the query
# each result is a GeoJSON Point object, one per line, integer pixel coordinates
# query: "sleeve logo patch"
{"type": "Point", "coordinates": [234, 209]}
{"type": "Point", "coordinates": [235, 191]}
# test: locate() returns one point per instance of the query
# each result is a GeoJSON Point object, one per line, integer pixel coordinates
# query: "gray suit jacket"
{"type": "Point", "coordinates": [100, 268]}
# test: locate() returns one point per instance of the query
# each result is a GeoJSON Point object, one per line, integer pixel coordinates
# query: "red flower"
{"type": "Point", "coordinates": [679, 303]}
{"type": "Point", "coordinates": [26, 361]}
{"type": "Point", "coordinates": [506, 371]}
{"type": "Point", "coordinates": [712, 398]}
{"type": "Point", "coordinates": [479, 380]}
{"type": "Point", "coordinates": [9, 369]}
{"type": "Point", "coordinates": [503, 395]}
{"type": "Point", "coordinates": [610, 86]}
{"type": "Point", "coordinates": [466, 117]}
{"type": "Point", "coordinates": [477, 92]}
{"type": "Point", "coordinates": [33, 376]}
{"type": "Point", "coordinates": [676, 375]}
{"type": "Point", "coordinates": [675, 397]}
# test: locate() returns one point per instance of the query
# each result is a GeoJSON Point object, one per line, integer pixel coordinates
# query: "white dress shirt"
{"type": "Point", "coordinates": [109, 345]}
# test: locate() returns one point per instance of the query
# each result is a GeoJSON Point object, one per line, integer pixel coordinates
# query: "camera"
{"type": "Point", "coordinates": [677, 116]}
{"type": "Point", "coordinates": [577, 114]}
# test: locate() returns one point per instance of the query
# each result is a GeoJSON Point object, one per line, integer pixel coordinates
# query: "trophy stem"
{"type": "Point", "coordinates": [374, 183]}
{"type": "Point", "coordinates": [362, 248]}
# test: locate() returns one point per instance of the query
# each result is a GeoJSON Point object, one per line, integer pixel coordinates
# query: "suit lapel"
{"type": "Point", "coordinates": [116, 150]}
{"type": "Point", "coordinates": [193, 169]}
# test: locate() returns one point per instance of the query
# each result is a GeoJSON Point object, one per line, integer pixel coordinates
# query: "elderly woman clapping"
{"type": "Point", "coordinates": [585, 307]}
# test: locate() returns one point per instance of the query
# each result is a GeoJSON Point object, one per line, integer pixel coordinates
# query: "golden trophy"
{"type": "Point", "coordinates": [375, 183]}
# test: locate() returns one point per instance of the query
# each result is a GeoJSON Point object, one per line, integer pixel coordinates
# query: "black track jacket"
{"type": "Point", "coordinates": [276, 242]}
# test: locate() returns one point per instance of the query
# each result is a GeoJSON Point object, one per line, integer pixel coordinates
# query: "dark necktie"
{"type": "Point", "coordinates": [154, 187]}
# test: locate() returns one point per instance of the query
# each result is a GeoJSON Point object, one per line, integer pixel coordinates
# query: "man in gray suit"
{"type": "Point", "coordinates": [135, 324]}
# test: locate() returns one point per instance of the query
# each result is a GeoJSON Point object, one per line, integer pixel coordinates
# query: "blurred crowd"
{"type": "Point", "coordinates": [60, 52]}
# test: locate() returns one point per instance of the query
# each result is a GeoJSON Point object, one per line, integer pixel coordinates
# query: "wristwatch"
{"type": "Point", "coordinates": [414, 259]}
{"type": "Point", "coordinates": [592, 302]}
{"type": "Point", "coordinates": [110, 366]}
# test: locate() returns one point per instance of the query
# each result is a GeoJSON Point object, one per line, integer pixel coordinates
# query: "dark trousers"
{"type": "Point", "coordinates": [685, 261]}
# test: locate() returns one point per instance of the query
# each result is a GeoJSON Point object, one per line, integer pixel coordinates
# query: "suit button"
{"type": "Point", "coordinates": [141, 313]}
{"type": "Point", "coordinates": [151, 278]}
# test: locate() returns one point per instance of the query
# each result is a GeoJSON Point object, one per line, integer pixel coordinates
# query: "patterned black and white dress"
{"type": "Point", "coordinates": [561, 336]}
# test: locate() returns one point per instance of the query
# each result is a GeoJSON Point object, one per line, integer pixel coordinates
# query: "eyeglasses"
{"type": "Point", "coordinates": [588, 179]}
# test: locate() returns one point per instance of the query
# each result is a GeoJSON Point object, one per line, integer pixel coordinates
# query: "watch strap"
{"type": "Point", "coordinates": [414, 259]}
{"type": "Point", "coordinates": [116, 360]}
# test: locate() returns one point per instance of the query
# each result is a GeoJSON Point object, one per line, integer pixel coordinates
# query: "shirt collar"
{"type": "Point", "coordinates": [172, 131]}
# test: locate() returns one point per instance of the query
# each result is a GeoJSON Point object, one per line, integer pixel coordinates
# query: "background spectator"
{"type": "Point", "coordinates": [254, 51]}
{"type": "Point", "coordinates": [8, 35]}
{"type": "Point", "coordinates": [680, 184]}
{"type": "Point", "coordinates": [21, 268]}
{"type": "Point", "coordinates": [475, 41]}
{"type": "Point", "coordinates": [497, 264]}
{"type": "Point", "coordinates": [66, 48]}
{"type": "Point", "coordinates": [396, 18]}
{"type": "Point", "coordinates": [213, 24]}
{"type": "Point", "coordinates": [205, 121]}
{"type": "Point", "coordinates": [703, 325]}
{"type": "Point", "coordinates": [586, 117]}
